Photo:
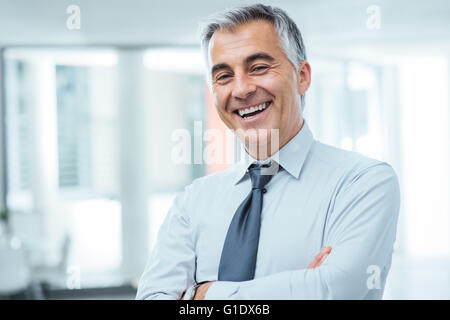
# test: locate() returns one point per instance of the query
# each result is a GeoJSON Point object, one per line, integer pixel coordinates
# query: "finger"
{"type": "Point", "coordinates": [314, 262]}
{"type": "Point", "coordinates": [320, 257]}
{"type": "Point", "coordinates": [324, 256]}
{"type": "Point", "coordinates": [317, 258]}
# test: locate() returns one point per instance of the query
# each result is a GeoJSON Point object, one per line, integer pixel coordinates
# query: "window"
{"type": "Point", "coordinates": [62, 147]}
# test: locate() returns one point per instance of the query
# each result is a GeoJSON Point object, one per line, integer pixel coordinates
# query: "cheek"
{"type": "Point", "coordinates": [274, 84]}
{"type": "Point", "coordinates": [219, 98]}
{"type": "Point", "coordinates": [283, 88]}
{"type": "Point", "coordinates": [216, 102]}
{"type": "Point", "coordinates": [271, 83]}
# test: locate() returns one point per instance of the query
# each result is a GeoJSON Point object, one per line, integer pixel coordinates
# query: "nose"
{"type": "Point", "coordinates": [242, 86]}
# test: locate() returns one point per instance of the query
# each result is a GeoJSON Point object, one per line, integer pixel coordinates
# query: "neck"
{"type": "Point", "coordinates": [267, 149]}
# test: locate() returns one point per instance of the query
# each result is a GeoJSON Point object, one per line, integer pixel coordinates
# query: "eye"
{"type": "Point", "coordinates": [223, 77]}
{"type": "Point", "coordinates": [259, 68]}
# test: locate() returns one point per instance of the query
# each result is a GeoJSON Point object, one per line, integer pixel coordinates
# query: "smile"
{"type": "Point", "coordinates": [252, 112]}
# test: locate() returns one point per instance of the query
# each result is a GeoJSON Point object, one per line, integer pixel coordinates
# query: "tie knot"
{"type": "Point", "coordinates": [258, 180]}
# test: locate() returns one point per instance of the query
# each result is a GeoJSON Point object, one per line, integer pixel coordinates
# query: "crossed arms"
{"type": "Point", "coordinates": [361, 231]}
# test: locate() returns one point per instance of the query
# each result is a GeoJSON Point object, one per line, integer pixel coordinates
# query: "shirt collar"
{"type": "Point", "coordinates": [290, 157]}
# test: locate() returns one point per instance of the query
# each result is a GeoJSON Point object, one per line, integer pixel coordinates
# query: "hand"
{"type": "Point", "coordinates": [320, 257]}
{"type": "Point", "coordinates": [200, 293]}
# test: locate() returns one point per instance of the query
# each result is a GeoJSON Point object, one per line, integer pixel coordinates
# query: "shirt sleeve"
{"type": "Point", "coordinates": [171, 267]}
{"type": "Point", "coordinates": [361, 229]}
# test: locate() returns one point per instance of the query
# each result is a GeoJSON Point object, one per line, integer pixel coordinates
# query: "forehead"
{"type": "Point", "coordinates": [243, 40]}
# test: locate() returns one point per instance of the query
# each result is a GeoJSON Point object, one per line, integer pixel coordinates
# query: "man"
{"type": "Point", "coordinates": [322, 226]}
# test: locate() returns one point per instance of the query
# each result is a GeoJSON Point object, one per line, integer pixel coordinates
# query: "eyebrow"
{"type": "Point", "coordinates": [248, 60]}
{"type": "Point", "coordinates": [258, 56]}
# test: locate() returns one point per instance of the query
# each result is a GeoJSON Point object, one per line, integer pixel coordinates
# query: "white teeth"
{"type": "Point", "coordinates": [243, 112]}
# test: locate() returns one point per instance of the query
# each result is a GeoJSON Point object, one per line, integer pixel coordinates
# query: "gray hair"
{"type": "Point", "coordinates": [290, 37]}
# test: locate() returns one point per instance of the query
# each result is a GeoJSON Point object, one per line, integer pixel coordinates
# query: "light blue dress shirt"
{"type": "Point", "coordinates": [321, 196]}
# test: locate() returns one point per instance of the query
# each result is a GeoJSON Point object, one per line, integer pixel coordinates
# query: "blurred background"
{"type": "Point", "coordinates": [92, 92]}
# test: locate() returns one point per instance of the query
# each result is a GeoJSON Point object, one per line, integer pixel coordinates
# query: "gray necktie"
{"type": "Point", "coordinates": [238, 259]}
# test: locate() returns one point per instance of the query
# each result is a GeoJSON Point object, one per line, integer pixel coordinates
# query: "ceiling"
{"type": "Point", "coordinates": [326, 25]}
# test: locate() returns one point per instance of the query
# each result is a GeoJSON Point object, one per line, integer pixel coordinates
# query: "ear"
{"type": "Point", "coordinates": [303, 77]}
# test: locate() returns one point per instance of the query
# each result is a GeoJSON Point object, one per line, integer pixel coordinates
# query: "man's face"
{"type": "Point", "coordinates": [250, 69]}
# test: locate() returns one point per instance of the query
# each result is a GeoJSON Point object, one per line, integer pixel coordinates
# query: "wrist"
{"type": "Point", "coordinates": [190, 292]}
{"type": "Point", "coordinates": [195, 290]}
